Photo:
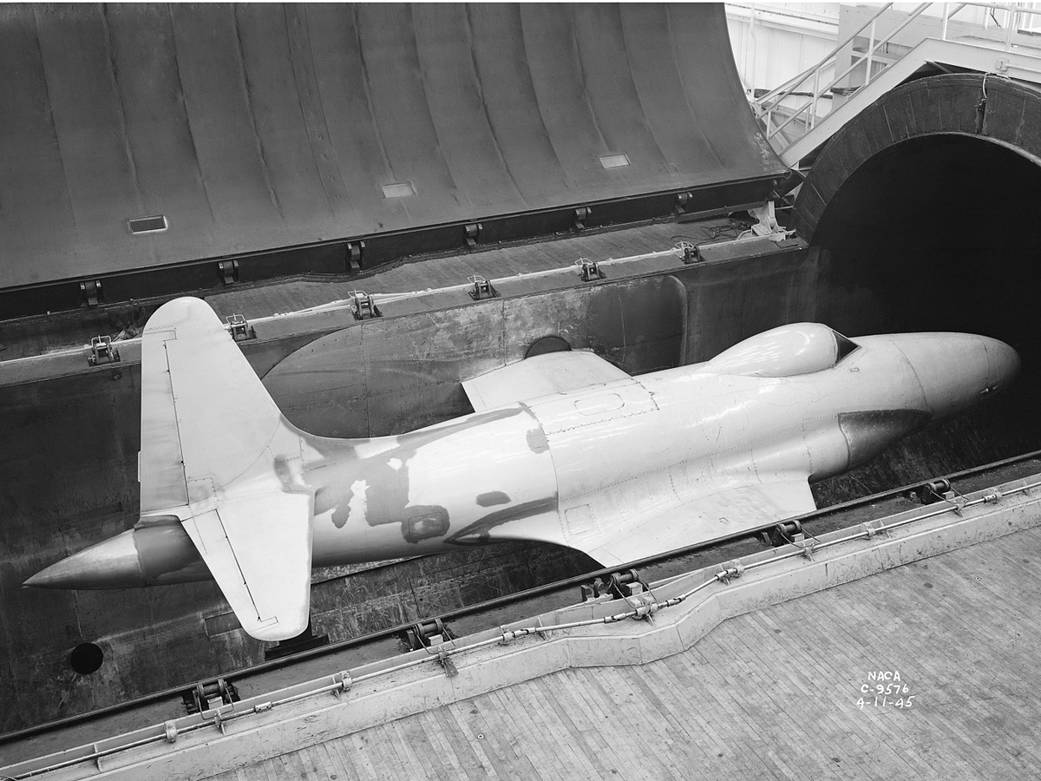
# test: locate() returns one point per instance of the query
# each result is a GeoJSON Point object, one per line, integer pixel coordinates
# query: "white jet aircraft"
{"type": "Point", "coordinates": [563, 448]}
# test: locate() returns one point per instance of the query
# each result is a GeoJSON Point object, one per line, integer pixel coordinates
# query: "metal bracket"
{"type": "Point", "coordinates": [766, 225]}
{"type": "Point", "coordinates": [731, 570]}
{"type": "Point", "coordinates": [90, 292]}
{"type": "Point", "coordinates": [871, 528]}
{"type": "Point", "coordinates": [354, 253]}
{"type": "Point", "coordinates": [590, 269]}
{"type": "Point", "coordinates": [102, 351]}
{"type": "Point", "coordinates": [932, 491]}
{"type": "Point", "coordinates": [364, 306]}
{"type": "Point", "coordinates": [682, 200]}
{"type": "Point", "coordinates": [446, 663]}
{"type": "Point", "coordinates": [785, 533]}
{"type": "Point", "coordinates": [581, 215]}
{"type": "Point", "coordinates": [622, 585]}
{"type": "Point", "coordinates": [689, 251]}
{"type": "Point", "coordinates": [643, 604]}
{"type": "Point", "coordinates": [426, 634]}
{"type": "Point", "coordinates": [229, 271]}
{"type": "Point", "coordinates": [481, 288]}
{"type": "Point", "coordinates": [473, 233]}
{"type": "Point", "coordinates": [240, 328]}
{"type": "Point", "coordinates": [197, 699]}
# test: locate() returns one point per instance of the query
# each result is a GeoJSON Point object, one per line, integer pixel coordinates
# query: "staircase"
{"type": "Point", "coordinates": [801, 114]}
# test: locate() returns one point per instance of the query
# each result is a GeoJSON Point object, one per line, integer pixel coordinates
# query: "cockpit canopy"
{"type": "Point", "coordinates": [786, 351]}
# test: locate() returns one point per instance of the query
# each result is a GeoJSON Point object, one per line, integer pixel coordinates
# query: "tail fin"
{"type": "Point", "coordinates": [217, 452]}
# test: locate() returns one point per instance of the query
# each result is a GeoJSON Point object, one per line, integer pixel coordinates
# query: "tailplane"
{"type": "Point", "coordinates": [217, 452]}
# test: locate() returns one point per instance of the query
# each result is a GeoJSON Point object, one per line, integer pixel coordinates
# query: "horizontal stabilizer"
{"type": "Point", "coordinates": [217, 452]}
{"type": "Point", "coordinates": [540, 375]}
{"type": "Point", "coordinates": [258, 549]}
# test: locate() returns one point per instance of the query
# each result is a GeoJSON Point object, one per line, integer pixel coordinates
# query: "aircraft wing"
{"type": "Point", "coordinates": [708, 516]}
{"type": "Point", "coordinates": [539, 375]}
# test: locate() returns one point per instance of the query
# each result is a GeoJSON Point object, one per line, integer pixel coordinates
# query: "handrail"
{"type": "Point", "coordinates": [766, 105]}
{"type": "Point", "coordinates": [798, 79]}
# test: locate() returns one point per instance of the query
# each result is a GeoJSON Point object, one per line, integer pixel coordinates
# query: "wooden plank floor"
{"type": "Point", "coordinates": [772, 694]}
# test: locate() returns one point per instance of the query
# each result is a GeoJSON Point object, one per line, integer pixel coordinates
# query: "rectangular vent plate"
{"type": "Point", "coordinates": [614, 161]}
{"type": "Point", "coordinates": [153, 224]}
{"type": "Point", "coordinates": [398, 190]}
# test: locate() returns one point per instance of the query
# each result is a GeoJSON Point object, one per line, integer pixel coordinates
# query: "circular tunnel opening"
{"type": "Point", "coordinates": [86, 658]}
{"type": "Point", "coordinates": [943, 233]}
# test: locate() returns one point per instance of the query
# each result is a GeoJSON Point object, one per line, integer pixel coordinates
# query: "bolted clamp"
{"type": "Point", "coordinates": [102, 351]}
{"type": "Point", "coordinates": [590, 269]}
{"type": "Point", "coordinates": [240, 329]}
{"type": "Point", "coordinates": [344, 679]}
{"type": "Point", "coordinates": [581, 214]}
{"type": "Point", "coordinates": [732, 570]}
{"type": "Point", "coordinates": [472, 233]}
{"type": "Point", "coordinates": [364, 306]}
{"type": "Point", "coordinates": [481, 288]}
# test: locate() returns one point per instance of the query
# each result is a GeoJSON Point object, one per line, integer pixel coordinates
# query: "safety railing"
{"type": "Point", "coordinates": [787, 120]}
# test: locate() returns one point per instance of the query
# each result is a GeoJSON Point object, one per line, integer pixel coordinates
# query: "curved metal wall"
{"type": "Point", "coordinates": [258, 126]}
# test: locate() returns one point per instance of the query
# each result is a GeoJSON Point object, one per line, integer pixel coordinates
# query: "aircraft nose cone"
{"type": "Point", "coordinates": [1003, 363]}
{"type": "Point", "coordinates": [957, 370]}
{"type": "Point", "coordinates": [109, 564]}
